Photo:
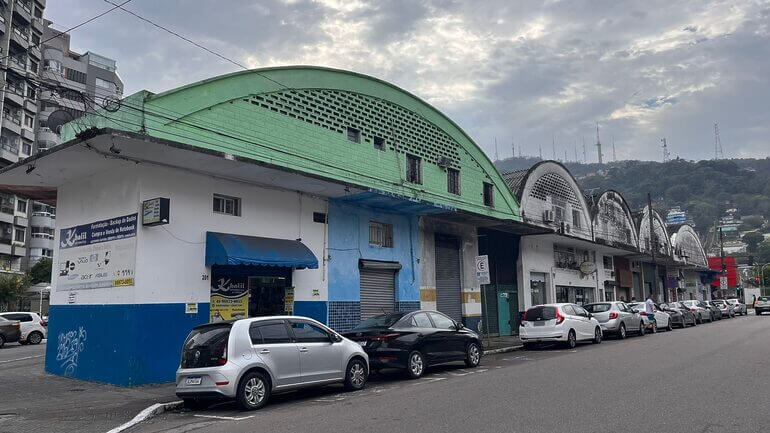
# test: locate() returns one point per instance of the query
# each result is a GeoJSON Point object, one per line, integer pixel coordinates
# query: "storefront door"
{"type": "Point", "coordinates": [574, 295]}
{"type": "Point", "coordinates": [267, 295]}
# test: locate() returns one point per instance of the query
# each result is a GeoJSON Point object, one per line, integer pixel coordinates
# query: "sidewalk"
{"type": "Point", "coordinates": [37, 402]}
{"type": "Point", "coordinates": [501, 344]}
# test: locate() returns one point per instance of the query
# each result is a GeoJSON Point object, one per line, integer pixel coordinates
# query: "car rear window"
{"type": "Point", "coordinates": [597, 308]}
{"type": "Point", "coordinates": [540, 313]}
{"type": "Point", "coordinates": [205, 345]}
{"type": "Point", "coordinates": [381, 321]}
{"type": "Point", "coordinates": [763, 298]}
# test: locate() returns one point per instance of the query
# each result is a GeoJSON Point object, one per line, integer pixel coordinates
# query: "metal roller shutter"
{"type": "Point", "coordinates": [448, 288]}
{"type": "Point", "coordinates": [378, 291]}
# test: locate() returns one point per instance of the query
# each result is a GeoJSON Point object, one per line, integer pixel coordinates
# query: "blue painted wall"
{"type": "Point", "coordinates": [317, 310]}
{"type": "Point", "coordinates": [125, 345]}
{"type": "Point", "coordinates": [349, 242]}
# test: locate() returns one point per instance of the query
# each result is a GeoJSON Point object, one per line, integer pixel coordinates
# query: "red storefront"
{"type": "Point", "coordinates": [731, 268]}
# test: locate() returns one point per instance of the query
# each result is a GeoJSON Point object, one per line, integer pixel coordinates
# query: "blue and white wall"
{"type": "Point", "coordinates": [133, 335]}
{"type": "Point", "coordinates": [349, 242]}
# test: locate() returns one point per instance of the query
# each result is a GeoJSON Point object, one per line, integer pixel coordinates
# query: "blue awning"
{"type": "Point", "coordinates": [232, 249]}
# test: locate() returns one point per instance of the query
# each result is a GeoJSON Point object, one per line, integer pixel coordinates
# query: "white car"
{"type": "Point", "coordinates": [566, 323]}
{"type": "Point", "coordinates": [33, 328]}
{"type": "Point", "coordinates": [662, 319]}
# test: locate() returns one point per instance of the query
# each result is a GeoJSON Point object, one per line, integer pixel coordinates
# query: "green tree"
{"type": "Point", "coordinates": [752, 239]}
{"type": "Point", "coordinates": [41, 271]}
{"type": "Point", "coordinates": [12, 289]}
{"type": "Point", "coordinates": [763, 253]}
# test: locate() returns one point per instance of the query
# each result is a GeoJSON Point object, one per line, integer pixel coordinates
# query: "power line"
{"type": "Point", "coordinates": [95, 17]}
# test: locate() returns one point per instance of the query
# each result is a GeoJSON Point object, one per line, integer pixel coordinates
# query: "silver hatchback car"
{"type": "Point", "coordinates": [249, 359]}
{"type": "Point", "coordinates": [616, 318]}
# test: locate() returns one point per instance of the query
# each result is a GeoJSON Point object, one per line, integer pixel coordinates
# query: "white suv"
{"type": "Point", "coordinates": [567, 323]}
{"type": "Point", "coordinates": [249, 359]}
{"type": "Point", "coordinates": [33, 328]}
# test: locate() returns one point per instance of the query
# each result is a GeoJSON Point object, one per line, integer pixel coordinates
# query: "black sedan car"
{"type": "Point", "coordinates": [680, 315]}
{"type": "Point", "coordinates": [415, 340]}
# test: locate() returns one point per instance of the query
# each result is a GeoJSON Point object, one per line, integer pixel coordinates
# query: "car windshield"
{"type": "Point", "coordinates": [763, 298]}
{"type": "Point", "coordinates": [637, 305]}
{"type": "Point", "coordinates": [540, 313]}
{"type": "Point", "coordinates": [732, 301]}
{"type": "Point", "coordinates": [381, 321]}
{"type": "Point", "coordinates": [690, 303]}
{"type": "Point", "coordinates": [597, 308]}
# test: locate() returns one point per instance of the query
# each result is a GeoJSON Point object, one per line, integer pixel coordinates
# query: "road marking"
{"type": "Point", "coordinates": [154, 410]}
{"type": "Point", "coordinates": [228, 418]}
{"type": "Point", "coordinates": [329, 399]}
{"type": "Point", "coordinates": [22, 359]}
{"type": "Point", "coordinates": [428, 380]}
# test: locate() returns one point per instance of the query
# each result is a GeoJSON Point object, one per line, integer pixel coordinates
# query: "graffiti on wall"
{"type": "Point", "coordinates": [71, 343]}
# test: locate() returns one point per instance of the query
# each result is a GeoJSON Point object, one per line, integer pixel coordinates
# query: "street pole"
{"type": "Point", "coordinates": [652, 248]}
{"type": "Point", "coordinates": [723, 274]}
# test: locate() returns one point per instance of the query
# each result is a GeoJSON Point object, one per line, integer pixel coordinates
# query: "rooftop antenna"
{"type": "Point", "coordinates": [540, 148]}
{"type": "Point", "coordinates": [575, 144]}
{"type": "Point", "coordinates": [565, 155]}
{"type": "Point", "coordinates": [614, 156]}
{"type": "Point", "coordinates": [497, 157]}
{"type": "Point", "coordinates": [513, 150]}
{"type": "Point", "coordinates": [666, 153]}
{"type": "Point", "coordinates": [585, 160]}
{"type": "Point", "coordinates": [598, 144]}
{"type": "Point", "coordinates": [519, 151]}
{"type": "Point", "coordinates": [718, 153]}
{"type": "Point", "coordinates": [553, 145]}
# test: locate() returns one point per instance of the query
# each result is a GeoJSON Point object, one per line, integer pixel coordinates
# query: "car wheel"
{"type": "Point", "coordinates": [34, 337]}
{"type": "Point", "coordinates": [699, 318]}
{"type": "Point", "coordinates": [571, 339]}
{"type": "Point", "coordinates": [622, 331]}
{"type": "Point", "coordinates": [528, 346]}
{"type": "Point", "coordinates": [654, 327]}
{"type": "Point", "coordinates": [253, 391]}
{"type": "Point", "coordinates": [2, 341]}
{"type": "Point", "coordinates": [355, 376]}
{"type": "Point", "coordinates": [670, 327]}
{"type": "Point", "coordinates": [415, 365]}
{"type": "Point", "coordinates": [193, 403]}
{"type": "Point", "coordinates": [597, 335]}
{"type": "Point", "coordinates": [642, 329]}
{"type": "Point", "coordinates": [472, 355]}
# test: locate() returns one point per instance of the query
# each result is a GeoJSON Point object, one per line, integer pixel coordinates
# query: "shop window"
{"type": "Point", "coordinates": [379, 143]}
{"type": "Point", "coordinates": [489, 195]}
{"type": "Point", "coordinates": [453, 181]}
{"type": "Point", "coordinates": [380, 234]}
{"type": "Point", "coordinates": [354, 135]}
{"type": "Point", "coordinates": [227, 205]}
{"type": "Point", "coordinates": [413, 169]}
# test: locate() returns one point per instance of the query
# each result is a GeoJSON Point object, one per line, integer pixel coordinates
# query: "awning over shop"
{"type": "Point", "coordinates": [232, 249]}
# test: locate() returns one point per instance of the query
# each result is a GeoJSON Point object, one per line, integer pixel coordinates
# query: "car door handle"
{"type": "Point", "coordinates": [264, 352]}
{"type": "Point", "coordinates": [303, 349]}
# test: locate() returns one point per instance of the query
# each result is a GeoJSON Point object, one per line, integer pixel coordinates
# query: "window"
{"type": "Point", "coordinates": [29, 121]}
{"type": "Point", "coordinates": [33, 65]}
{"type": "Point", "coordinates": [38, 13]}
{"type": "Point", "coordinates": [453, 181]}
{"type": "Point", "coordinates": [35, 38]}
{"type": "Point", "coordinates": [21, 317]}
{"type": "Point", "coordinates": [580, 311]}
{"type": "Point", "coordinates": [80, 77]}
{"type": "Point", "coordinates": [421, 320]}
{"type": "Point", "coordinates": [354, 135]}
{"type": "Point", "coordinates": [567, 309]}
{"type": "Point", "coordinates": [607, 261]}
{"type": "Point", "coordinates": [380, 234]}
{"type": "Point", "coordinates": [104, 84]}
{"type": "Point", "coordinates": [52, 65]}
{"type": "Point", "coordinates": [540, 313]}
{"type": "Point", "coordinates": [20, 235]}
{"type": "Point", "coordinates": [489, 195]}
{"type": "Point", "coordinates": [47, 253]}
{"type": "Point", "coordinates": [227, 205]}
{"type": "Point", "coordinates": [319, 217]}
{"type": "Point", "coordinates": [413, 169]}
{"type": "Point", "coordinates": [26, 148]}
{"type": "Point", "coordinates": [308, 333]}
{"type": "Point", "coordinates": [31, 92]}
{"type": "Point", "coordinates": [576, 220]}
{"type": "Point", "coordinates": [442, 322]}
{"type": "Point", "coordinates": [274, 333]}
{"type": "Point", "coordinates": [379, 143]}
{"type": "Point", "coordinates": [21, 206]}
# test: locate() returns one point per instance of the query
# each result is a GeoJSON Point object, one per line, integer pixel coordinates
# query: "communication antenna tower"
{"type": "Point", "coordinates": [575, 144]}
{"type": "Point", "coordinates": [598, 143]}
{"type": "Point", "coordinates": [513, 150]}
{"type": "Point", "coordinates": [666, 153]}
{"type": "Point", "coordinates": [553, 146]}
{"type": "Point", "coordinates": [497, 157]}
{"type": "Point", "coordinates": [540, 149]}
{"type": "Point", "coordinates": [614, 156]}
{"type": "Point", "coordinates": [585, 160]}
{"type": "Point", "coordinates": [718, 153]}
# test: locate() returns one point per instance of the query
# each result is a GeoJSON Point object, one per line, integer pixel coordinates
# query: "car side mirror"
{"type": "Point", "coordinates": [459, 326]}
{"type": "Point", "coordinates": [336, 338]}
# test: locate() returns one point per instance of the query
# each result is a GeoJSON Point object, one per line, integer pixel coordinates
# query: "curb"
{"type": "Point", "coordinates": [503, 350]}
{"type": "Point", "coordinates": [152, 411]}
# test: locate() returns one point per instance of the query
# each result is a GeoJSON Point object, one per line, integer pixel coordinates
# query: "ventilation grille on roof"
{"type": "Point", "coordinates": [401, 129]}
{"type": "Point", "coordinates": [551, 184]}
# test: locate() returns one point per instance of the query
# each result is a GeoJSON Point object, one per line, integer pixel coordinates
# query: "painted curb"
{"type": "Point", "coordinates": [503, 350]}
{"type": "Point", "coordinates": [152, 411]}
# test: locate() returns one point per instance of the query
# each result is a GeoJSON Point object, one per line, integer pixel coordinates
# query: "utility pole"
{"type": "Point", "coordinates": [723, 273]}
{"type": "Point", "coordinates": [653, 245]}
{"type": "Point", "coordinates": [598, 143]}
{"type": "Point", "coordinates": [718, 154]}
{"type": "Point", "coordinates": [666, 153]}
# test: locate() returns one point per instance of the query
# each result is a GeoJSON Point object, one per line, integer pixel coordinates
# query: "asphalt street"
{"type": "Point", "coordinates": [709, 378]}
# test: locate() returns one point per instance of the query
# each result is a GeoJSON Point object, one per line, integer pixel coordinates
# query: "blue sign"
{"type": "Point", "coordinates": [101, 231]}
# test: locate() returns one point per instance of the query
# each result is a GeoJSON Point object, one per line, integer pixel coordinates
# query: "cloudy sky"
{"type": "Point", "coordinates": [531, 72]}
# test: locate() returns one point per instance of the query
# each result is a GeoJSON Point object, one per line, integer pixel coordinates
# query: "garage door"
{"type": "Point", "coordinates": [378, 288]}
{"type": "Point", "coordinates": [448, 291]}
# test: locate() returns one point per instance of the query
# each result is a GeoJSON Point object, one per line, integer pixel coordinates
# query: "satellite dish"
{"type": "Point", "coordinates": [57, 119]}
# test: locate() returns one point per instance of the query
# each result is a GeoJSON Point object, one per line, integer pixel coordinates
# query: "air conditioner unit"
{"type": "Point", "coordinates": [444, 162]}
{"type": "Point", "coordinates": [564, 227]}
{"type": "Point", "coordinates": [548, 216]}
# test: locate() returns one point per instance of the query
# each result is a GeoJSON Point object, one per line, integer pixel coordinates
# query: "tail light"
{"type": "Point", "coordinates": [386, 337]}
{"type": "Point", "coordinates": [17, 325]}
{"type": "Point", "coordinates": [559, 317]}
{"type": "Point", "coordinates": [524, 317]}
{"type": "Point", "coordinates": [613, 315]}
{"type": "Point", "coordinates": [643, 313]}
{"type": "Point", "coordinates": [693, 310]}
{"type": "Point", "coordinates": [222, 360]}
{"type": "Point", "coordinates": [43, 323]}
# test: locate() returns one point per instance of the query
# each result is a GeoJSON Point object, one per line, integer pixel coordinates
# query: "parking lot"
{"type": "Point", "coordinates": [705, 378]}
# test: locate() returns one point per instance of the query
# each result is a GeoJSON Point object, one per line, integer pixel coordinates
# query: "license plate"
{"type": "Point", "coordinates": [192, 381]}
{"type": "Point", "coordinates": [361, 343]}
{"type": "Point", "coordinates": [539, 323]}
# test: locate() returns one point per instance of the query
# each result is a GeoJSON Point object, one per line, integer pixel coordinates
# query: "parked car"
{"type": "Point", "coordinates": [762, 305]}
{"type": "Point", "coordinates": [616, 318]}
{"type": "Point", "coordinates": [416, 340]}
{"type": "Point", "coordinates": [725, 309]}
{"type": "Point", "coordinates": [716, 313]}
{"type": "Point", "coordinates": [566, 323]}
{"type": "Point", "coordinates": [662, 320]}
{"type": "Point", "coordinates": [678, 309]}
{"type": "Point", "coordinates": [700, 309]}
{"type": "Point", "coordinates": [33, 328]}
{"type": "Point", "coordinates": [250, 359]}
{"type": "Point", "coordinates": [738, 306]}
{"type": "Point", "coordinates": [10, 331]}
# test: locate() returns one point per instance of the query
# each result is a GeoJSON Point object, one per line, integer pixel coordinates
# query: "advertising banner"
{"type": "Point", "coordinates": [98, 255]}
{"type": "Point", "coordinates": [229, 299]}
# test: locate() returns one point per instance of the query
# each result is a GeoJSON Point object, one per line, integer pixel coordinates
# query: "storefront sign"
{"type": "Point", "coordinates": [191, 308]}
{"type": "Point", "coordinates": [229, 299]}
{"type": "Point", "coordinates": [98, 255]}
{"type": "Point", "coordinates": [289, 300]}
{"type": "Point", "coordinates": [723, 283]}
{"type": "Point", "coordinates": [482, 269]}
{"type": "Point", "coordinates": [155, 211]}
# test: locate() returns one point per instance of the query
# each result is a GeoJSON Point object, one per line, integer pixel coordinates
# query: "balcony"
{"type": "Point", "coordinates": [43, 219]}
{"type": "Point", "coordinates": [6, 248]}
{"type": "Point", "coordinates": [30, 105]}
{"type": "Point", "coordinates": [37, 23]}
{"type": "Point", "coordinates": [19, 250]}
{"type": "Point", "coordinates": [10, 145]}
{"type": "Point", "coordinates": [20, 220]}
{"type": "Point", "coordinates": [19, 65]}
{"type": "Point", "coordinates": [13, 124]}
{"type": "Point", "coordinates": [23, 10]}
{"type": "Point", "coordinates": [41, 240]}
{"type": "Point", "coordinates": [21, 37]}
{"type": "Point", "coordinates": [15, 93]}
